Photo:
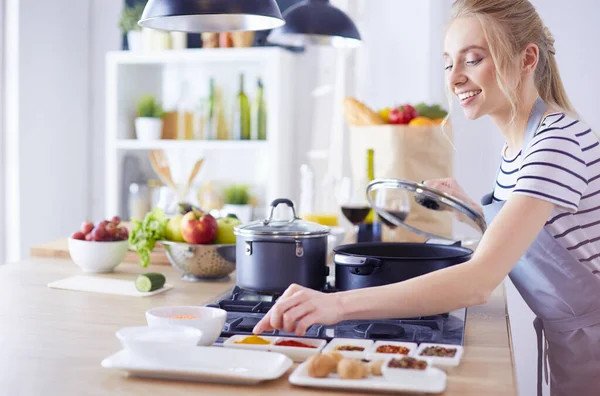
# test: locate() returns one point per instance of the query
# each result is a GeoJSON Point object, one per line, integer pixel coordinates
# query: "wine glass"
{"type": "Point", "coordinates": [392, 205]}
{"type": "Point", "coordinates": [354, 204]}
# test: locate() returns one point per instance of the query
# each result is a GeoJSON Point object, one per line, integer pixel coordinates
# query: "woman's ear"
{"type": "Point", "coordinates": [530, 58]}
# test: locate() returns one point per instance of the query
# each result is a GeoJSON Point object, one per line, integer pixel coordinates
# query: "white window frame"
{"type": "Point", "coordinates": [2, 135]}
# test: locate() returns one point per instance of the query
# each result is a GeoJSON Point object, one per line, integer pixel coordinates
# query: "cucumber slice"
{"type": "Point", "coordinates": [149, 282]}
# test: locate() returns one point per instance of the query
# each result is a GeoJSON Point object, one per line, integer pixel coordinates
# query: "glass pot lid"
{"type": "Point", "coordinates": [403, 203]}
{"type": "Point", "coordinates": [294, 227]}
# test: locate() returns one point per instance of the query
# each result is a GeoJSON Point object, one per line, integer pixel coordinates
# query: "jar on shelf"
{"type": "Point", "coordinates": [138, 201]}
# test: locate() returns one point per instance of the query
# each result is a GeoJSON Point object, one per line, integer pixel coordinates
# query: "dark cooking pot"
{"type": "Point", "coordinates": [273, 254]}
{"type": "Point", "coordinates": [381, 263]}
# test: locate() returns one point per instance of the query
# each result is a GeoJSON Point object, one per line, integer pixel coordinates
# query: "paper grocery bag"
{"type": "Point", "coordinates": [414, 153]}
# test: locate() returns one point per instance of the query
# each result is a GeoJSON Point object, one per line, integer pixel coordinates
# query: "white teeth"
{"type": "Point", "coordinates": [465, 95]}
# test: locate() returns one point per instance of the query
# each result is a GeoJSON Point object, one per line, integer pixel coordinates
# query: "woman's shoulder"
{"type": "Point", "coordinates": [562, 125]}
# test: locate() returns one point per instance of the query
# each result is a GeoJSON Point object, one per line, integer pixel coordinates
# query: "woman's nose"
{"type": "Point", "coordinates": [456, 78]}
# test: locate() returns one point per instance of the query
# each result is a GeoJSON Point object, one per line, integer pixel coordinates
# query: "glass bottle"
{"type": "Point", "coordinates": [241, 114]}
{"type": "Point", "coordinates": [371, 228]}
{"type": "Point", "coordinates": [260, 113]}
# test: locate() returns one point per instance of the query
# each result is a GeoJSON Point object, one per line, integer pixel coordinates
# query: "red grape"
{"type": "Point", "coordinates": [99, 233]}
{"type": "Point", "coordinates": [88, 237]}
{"type": "Point", "coordinates": [111, 230]}
{"type": "Point", "coordinates": [116, 220]}
{"type": "Point", "coordinates": [122, 233]}
{"type": "Point", "coordinates": [103, 224]}
{"type": "Point", "coordinates": [78, 235]}
{"type": "Point", "coordinates": [87, 227]}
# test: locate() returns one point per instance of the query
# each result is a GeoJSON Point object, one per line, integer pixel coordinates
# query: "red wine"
{"type": "Point", "coordinates": [355, 214]}
{"type": "Point", "coordinates": [400, 215]}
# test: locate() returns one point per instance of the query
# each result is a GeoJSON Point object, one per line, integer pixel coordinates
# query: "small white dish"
{"type": "Point", "coordinates": [154, 342]}
{"type": "Point", "coordinates": [374, 355]}
{"type": "Point", "coordinates": [438, 360]}
{"type": "Point", "coordinates": [337, 342]}
{"type": "Point", "coordinates": [206, 364]}
{"type": "Point", "coordinates": [97, 257]}
{"type": "Point", "coordinates": [297, 354]}
{"type": "Point", "coordinates": [404, 374]}
{"type": "Point", "coordinates": [209, 320]}
{"type": "Point", "coordinates": [434, 383]}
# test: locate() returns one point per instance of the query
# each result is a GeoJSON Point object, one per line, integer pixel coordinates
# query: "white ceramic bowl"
{"type": "Point", "coordinates": [93, 256]}
{"type": "Point", "coordinates": [209, 320]}
{"type": "Point", "coordinates": [158, 341]}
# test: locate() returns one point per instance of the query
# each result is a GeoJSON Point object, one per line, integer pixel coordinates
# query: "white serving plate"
{"type": "Point", "coordinates": [372, 355]}
{"type": "Point", "coordinates": [206, 364]}
{"type": "Point", "coordinates": [440, 361]}
{"type": "Point", "coordinates": [434, 383]}
{"type": "Point", "coordinates": [297, 354]}
{"type": "Point", "coordinates": [367, 344]}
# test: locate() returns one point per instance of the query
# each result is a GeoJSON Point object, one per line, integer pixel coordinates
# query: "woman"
{"type": "Point", "coordinates": [543, 214]}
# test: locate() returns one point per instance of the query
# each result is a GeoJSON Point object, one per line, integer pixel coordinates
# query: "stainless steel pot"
{"type": "Point", "coordinates": [273, 254]}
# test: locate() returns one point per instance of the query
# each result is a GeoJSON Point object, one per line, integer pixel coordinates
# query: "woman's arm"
{"type": "Point", "coordinates": [471, 283]}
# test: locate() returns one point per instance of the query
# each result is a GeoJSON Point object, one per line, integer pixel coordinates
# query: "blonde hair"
{"type": "Point", "coordinates": [509, 26]}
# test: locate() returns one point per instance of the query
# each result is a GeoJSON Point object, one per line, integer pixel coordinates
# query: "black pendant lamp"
{"type": "Point", "coordinates": [316, 22]}
{"type": "Point", "coordinates": [199, 16]}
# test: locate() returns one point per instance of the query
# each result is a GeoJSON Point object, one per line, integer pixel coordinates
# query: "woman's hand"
{"type": "Point", "coordinates": [450, 186]}
{"type": "Point", "coordinates": [299, 308]}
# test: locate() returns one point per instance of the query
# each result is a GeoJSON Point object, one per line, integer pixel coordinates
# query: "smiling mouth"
{"type": "Point", "coordinates": [469, 94]}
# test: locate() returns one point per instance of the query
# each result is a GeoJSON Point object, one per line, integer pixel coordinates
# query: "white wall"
{"type": "Point", "coordinates": [48, 123]}
{"type": "Point", "coordinates": [2, 128]}
{"type": "Point", "coordinates": [104, 36]}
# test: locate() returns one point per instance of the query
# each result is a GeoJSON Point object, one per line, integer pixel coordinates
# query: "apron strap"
{"type": "Point", "coordinates": [542, 351]}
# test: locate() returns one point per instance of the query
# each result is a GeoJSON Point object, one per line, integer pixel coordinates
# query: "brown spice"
{"type": "Point", "coordinates": [350, 348]}
{"type": "Point", "coordinates": [400, 350]}
{"type": "Point", "coordinates": [408, 363]}
{"type": "Point", "coordinates": [438, 351]}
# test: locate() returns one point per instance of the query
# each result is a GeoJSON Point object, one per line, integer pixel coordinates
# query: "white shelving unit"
{"type": "Point", "coordinates": [270, 165]}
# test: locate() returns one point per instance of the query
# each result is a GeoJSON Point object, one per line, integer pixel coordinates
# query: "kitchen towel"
{"type": "Point", "coordinates": [103, 285]}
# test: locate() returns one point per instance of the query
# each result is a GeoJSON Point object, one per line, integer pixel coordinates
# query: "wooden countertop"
{"type": "Point", "coordinates": [53, 341]}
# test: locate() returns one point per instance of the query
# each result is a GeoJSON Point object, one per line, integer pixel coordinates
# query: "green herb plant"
{"type": "Point", "coordinates": [145, 233]}
{"type": "Point", "coordinates": [236, 194]}
{"type": "Point", "coordinates": [130, 17]}
{"type": "Point", "coordinates": [149, 107]}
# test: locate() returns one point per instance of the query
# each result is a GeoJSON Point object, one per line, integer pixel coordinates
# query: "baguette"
{"type": "Point", "coordinates": [358, 114]}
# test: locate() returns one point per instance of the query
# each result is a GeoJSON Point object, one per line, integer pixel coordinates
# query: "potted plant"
{"type": "Point", "coordinates": [149, 122]}
{"type": "Point", "coordinates": [236, 201]}
{"type": "Point", "coordinates": [129, 25]}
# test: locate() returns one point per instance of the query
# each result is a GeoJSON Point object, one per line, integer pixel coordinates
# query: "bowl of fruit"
{"type": "Point", "coordinates": [201, 246]}
{"type": "Point", "coordinates": [99, 248]}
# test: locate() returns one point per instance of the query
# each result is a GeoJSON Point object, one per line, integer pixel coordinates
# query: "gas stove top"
{"type": "Point", "coordinates": [245, 308]}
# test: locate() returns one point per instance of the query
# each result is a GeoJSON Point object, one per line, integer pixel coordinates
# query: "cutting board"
{"type": "Point", "coordinates": [98, 284]}
{"type": "Point", "coordinates": [60, 249]}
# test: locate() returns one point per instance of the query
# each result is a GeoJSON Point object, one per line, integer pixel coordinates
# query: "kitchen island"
{"type": "Point", "coordinates": [53, 341]}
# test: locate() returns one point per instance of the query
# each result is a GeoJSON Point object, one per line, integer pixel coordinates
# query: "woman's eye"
{"type": "Point", "coordinates": [473, 62]}
{"type": "Point", "coordinates": [449, 67]}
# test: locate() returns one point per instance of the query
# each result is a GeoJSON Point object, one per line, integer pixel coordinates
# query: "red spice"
{"type": "Point", "coordinates": [292, 343]}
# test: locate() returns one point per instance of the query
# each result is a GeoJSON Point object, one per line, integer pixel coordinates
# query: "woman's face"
{"type": "Point", "coordinates": [470, 70]}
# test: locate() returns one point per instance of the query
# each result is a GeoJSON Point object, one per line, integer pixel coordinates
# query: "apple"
{"type": "Point", "coordinates": [198, 227]}
{"type": "Point", "coordinates": [173, 231]}
{"type": "Point", "coordinates": [225, 234]}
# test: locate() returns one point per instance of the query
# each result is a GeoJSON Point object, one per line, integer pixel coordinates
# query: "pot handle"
{"type": "Point", "coordinates": [352, 261]}
{"type": "Point", "coordinates": [281, 201]}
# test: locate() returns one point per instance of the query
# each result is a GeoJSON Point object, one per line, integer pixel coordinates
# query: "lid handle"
{"type": "Point", "coordinates": [281, 201]}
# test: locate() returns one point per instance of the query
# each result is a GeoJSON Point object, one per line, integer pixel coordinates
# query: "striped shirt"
{"type": "Point", "coordinates": [561, 164]}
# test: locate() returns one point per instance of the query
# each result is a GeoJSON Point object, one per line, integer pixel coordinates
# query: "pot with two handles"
{"type": "Point", "coordinates": [271, 254]}
{"type": "Point", "coordinates": [400, 203]}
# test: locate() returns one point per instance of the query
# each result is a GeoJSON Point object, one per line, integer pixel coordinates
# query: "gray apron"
{"type": "Point", "coordinates": [565, 297]}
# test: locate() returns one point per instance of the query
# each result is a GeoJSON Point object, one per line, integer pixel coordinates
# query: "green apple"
{"type": "Point", "coordinates": [173, 231]}
{"type": "Point", "coordinates": [225, 233]}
